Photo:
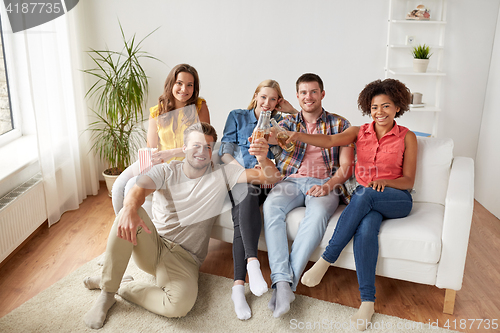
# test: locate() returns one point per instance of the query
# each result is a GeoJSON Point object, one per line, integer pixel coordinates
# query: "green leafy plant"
{"type": "Point", "coordinates": [120, 93]}
{"type": "Point", "coordinates": [421, 52]}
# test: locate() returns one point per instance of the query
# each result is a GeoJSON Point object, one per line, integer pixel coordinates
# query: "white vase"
{"type": "Point", "coordinates": [110, 180]}
{"type": "Point", "coordinates": [420, 65]}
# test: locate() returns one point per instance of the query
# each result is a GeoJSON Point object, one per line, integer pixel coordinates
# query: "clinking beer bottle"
{"type": "Point", "coordinates": [282, 136]}
{"type": "Point", "coordinates": [262, 129]}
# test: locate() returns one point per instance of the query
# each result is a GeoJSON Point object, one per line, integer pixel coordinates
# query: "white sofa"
{"type": "Point", "coordinates": [429, 246]}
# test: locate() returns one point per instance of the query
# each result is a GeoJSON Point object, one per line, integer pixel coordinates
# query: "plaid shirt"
{"type": "Point", "coordinates": [328, 123]}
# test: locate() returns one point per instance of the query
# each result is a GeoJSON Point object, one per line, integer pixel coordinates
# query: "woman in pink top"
{"type": "Point", "coordinates": [385, 170]}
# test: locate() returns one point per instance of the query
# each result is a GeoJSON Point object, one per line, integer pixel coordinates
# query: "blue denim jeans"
{"type": "Point", "coordinates": [285, 196]}
{"type": "Point", "coordinates": [361, 219]}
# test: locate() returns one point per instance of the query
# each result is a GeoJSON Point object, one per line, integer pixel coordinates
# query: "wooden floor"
{"type": "Point", "coordinates": [81, 236]}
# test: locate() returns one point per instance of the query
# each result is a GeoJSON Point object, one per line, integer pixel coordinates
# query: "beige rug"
{"type": "Point", "coordinates": [61, 307]}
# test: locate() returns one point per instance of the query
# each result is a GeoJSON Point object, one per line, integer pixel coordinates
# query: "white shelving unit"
{"type": "Point", "coordinates": [399, 60]}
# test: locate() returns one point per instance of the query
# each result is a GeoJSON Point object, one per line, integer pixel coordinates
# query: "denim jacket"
{"type": "Point", "coordinates": [239, 127]}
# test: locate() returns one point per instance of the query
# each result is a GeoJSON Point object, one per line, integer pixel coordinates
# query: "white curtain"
{"type": "Point", "coordinates": [54, 85]}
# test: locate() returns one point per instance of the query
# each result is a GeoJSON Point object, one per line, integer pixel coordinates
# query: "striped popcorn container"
{"type": "Point", "coordinates": [145, 155]}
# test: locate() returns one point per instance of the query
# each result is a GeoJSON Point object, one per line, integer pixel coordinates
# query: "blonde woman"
{"type": "Point", "coordinates": [247, 219]}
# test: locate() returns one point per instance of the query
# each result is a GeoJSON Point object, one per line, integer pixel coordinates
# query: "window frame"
{"type": "Point", "coordinates": [16, 131]}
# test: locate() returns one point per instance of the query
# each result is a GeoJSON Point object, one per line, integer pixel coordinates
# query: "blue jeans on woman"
{"type": "Point", "coordinates": [361, 219]}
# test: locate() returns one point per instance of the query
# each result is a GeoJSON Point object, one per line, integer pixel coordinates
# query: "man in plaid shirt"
{"type": "Point", "coordinates": [313, 177]}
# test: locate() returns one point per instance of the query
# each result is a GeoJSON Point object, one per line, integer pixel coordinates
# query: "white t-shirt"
{"type": "Point", "coordinates": [185, 209]}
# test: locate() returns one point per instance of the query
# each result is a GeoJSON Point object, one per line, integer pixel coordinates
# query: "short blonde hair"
{"type": "Point", "coordinates": [266, 84]}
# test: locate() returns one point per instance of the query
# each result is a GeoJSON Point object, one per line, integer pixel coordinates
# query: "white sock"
{"type": "Point", "coordinates": [94, 282]}
{"type": "Point", "coordinates": [258, 286]}
{"type": "Point", "coordinates": [96, 316]}
{"type": "Point", "coordinates": [241, 307]}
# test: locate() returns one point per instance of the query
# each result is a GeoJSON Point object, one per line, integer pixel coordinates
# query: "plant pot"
{"type": "Point", "coordinates": [420, 65]}
{"type": "Point", "coordinates": [110, 180]}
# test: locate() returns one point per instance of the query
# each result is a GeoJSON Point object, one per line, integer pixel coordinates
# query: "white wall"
{"type": "Point", "coordinates": [234, 45]}
{"type": "Point", "coordinates": [488, 151]}
{"type": "Point", "coordinates": [469, 41]}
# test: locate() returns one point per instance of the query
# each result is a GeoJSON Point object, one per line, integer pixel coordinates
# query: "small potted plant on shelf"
{"type": "Point", "coordinates": [421, 55]}
{"type": "Point", "coordinates": [119, 93]}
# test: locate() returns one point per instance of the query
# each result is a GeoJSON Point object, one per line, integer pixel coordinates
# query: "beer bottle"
{"type": "Point", "coordinates": [263, 128]}
{"type": "Point", "coordinates": [282, 136]}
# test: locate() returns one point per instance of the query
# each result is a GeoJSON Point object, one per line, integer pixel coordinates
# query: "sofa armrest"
{"type": "Point", "coordinates": [459, 204]}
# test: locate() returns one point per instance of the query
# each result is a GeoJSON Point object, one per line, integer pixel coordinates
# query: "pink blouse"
{"type": "Point", "coordinates": [379, 159]}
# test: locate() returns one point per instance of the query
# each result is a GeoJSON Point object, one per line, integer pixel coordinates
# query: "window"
{"type": "Point", "coordinates": [18, 144]}
{"type": "Point", "coordinates": [6, 118]}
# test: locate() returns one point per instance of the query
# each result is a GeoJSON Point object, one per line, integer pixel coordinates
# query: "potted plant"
{"type": "Point", "coordinates": [119, 94]}
{"type": "Point", "coordinates": [421, 55]}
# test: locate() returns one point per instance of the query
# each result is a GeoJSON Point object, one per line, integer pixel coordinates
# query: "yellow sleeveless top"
{"type": "Point", "coordinates": [171, 129]}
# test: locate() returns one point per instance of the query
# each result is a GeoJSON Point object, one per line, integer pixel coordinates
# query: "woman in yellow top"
{"type": "Point", "coordinates": [178, 107]}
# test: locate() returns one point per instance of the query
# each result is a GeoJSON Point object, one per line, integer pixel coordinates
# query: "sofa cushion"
{"type": "Point", "coordinates": [433, 169]}
{"type": "Point", "coordinates": [416, 237]}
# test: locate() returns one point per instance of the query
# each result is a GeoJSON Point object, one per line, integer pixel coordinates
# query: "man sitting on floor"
{"type": "Point", "coordinates": [188, 196]}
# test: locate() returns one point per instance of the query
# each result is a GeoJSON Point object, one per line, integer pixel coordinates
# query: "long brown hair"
{"type": "Point", "coordinates": [166, 102]}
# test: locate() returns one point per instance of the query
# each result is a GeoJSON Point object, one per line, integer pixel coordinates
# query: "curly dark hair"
{"type": "Point", "coordinates": [396, 90]}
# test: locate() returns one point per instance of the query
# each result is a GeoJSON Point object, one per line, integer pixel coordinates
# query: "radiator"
{"type": "Point", "coordinates": [22, 211]}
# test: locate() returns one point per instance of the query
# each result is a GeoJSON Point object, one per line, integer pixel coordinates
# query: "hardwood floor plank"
{"type": "Point", "coordinates": [52, 253]}
{"type": "Point", "coordinates": [81, 235]}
